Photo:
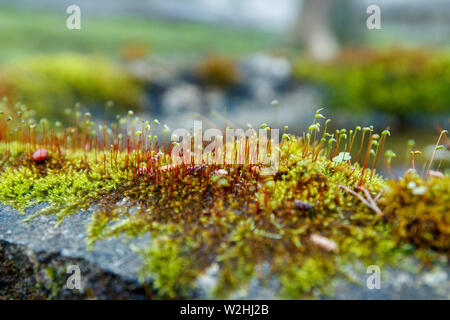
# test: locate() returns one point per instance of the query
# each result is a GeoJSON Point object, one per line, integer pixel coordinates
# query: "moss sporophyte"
{"type": "Point", "coordinates": [324, 212]}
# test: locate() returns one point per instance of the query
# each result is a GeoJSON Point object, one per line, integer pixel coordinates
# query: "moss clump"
{"type": "Point", "coordinates": [418, 209]}
{"type": "Point", "coordinates": [65, 185]}
{"type": "Point", "coordinates": [170, 268]}
{"type": "Point", "coordinates": [317, 217]}
{"type": "Point", "coordinates": [307, 278]}
{"type": "Point", "coordinates": [242, 221]}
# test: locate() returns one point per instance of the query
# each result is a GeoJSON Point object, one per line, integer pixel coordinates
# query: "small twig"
{"type": "Point", "coordinates": [368, 200]}
{"type": "Point", "coordinates": [378, 196]}
{"type": "Point", "coordinates": [371, 200]}
{"type": "Point", "coordinates": [355, 194]}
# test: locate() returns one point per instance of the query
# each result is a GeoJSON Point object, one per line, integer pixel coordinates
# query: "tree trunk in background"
{"type": "Point", "coordinates": [316, 31]}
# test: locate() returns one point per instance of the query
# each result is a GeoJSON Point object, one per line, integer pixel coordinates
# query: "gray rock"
{"type": "Point", "coordinates": [182, 98]}
{"type": "Point", "coordinates": [270, 68]}
{"type": "Point", "coordinates": [40, 252]}
{"type": "Point", "coordinates": [398, 284]}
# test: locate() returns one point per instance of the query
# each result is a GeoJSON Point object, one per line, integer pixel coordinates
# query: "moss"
{"type": "Point", "coordinates": [418, 209]}
{"type": "Point", "coordinates": [241, 221]}
{"type": "Point", "coordinates": [170, 268]}
{"type": "Point", "coordinates": [54, 282]}
{"type": "Point", "coordinates": [66, 187]}
{"type": "Point", "coordinates": [307, 278]}
{"type": "Point", "coordinates": [11, 152]}
{"type": "Point", "coordinates": [64, 191]}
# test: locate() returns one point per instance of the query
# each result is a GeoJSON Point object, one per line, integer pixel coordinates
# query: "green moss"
{"type": "Point", "coordinates": [54, 281]}
{"type": "Point", "coordinates": [11, 152]}
{"type": "Point", "coordinates": [312, 274]}
{"type": "Point", "coordinates": [170, 269]}
{"type": "Point", "coordinates": [65, 191]}
{"type": "Point", "coordinates": [418, 210]}
{"type": "Point", "coordinates": [249, 225]}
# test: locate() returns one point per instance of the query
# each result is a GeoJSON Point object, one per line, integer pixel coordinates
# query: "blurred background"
{"type": "Point", "coordinates": [226, 61]}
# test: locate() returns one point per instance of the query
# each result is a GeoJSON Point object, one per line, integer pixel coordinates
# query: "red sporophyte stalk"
{"type": "Point", "coordinates": [366, 158]}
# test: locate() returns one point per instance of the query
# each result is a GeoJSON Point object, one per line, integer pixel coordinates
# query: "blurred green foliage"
{"type": "Point", "coordinates": [28, 32]}
{"type": "Point", "coordinates": [50, 84]}
{"type": "Point", "coordinates": [397, 81]}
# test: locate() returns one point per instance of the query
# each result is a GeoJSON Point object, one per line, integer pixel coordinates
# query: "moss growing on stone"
{"type": "Point", "coordinates": [322, 214]}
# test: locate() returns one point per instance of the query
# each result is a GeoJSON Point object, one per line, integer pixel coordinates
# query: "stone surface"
{"type": "Point", "coordinates": [40, 251]}
{"type": "Point", "coordinates": [398, 284]}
